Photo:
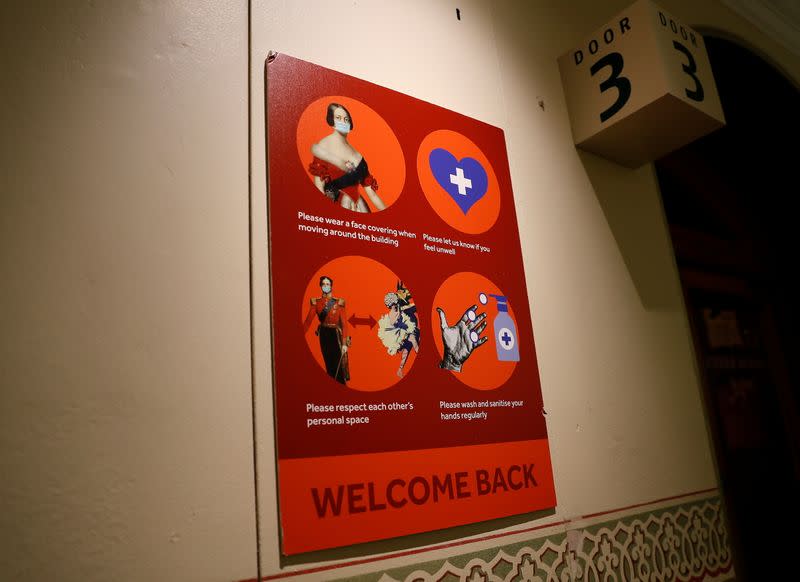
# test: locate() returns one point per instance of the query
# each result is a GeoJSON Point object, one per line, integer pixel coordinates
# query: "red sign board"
{"type": "Point", "coordinates": [406, 384]}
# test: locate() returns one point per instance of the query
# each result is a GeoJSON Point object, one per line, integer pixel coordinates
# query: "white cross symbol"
{"type": "Point", "coordinates": [459, 180]}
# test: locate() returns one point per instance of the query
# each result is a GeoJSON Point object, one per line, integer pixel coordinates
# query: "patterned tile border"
{"type": "Point", "coordinates": [686, 542]}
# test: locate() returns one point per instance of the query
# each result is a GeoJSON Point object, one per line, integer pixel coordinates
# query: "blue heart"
{"type": "Point", "coordinates": [464, 180]}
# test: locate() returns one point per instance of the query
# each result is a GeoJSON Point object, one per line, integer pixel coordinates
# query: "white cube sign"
{"type": "Point", "coordinates": [640, 87]}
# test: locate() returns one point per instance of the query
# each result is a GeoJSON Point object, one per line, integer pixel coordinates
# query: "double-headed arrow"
{"type": "Point", "coordinates": [370, 321]}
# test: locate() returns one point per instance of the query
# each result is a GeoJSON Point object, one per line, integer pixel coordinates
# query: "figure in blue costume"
{"type": "Point", "coordinates": [399, 329]}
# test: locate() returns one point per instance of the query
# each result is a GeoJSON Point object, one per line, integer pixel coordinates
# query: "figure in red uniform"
{"type": "Point", "coordinates": [331, 329]}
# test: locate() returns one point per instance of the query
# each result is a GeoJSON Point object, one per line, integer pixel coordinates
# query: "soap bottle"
{"type": "Point", "coordinates": [505, 332]}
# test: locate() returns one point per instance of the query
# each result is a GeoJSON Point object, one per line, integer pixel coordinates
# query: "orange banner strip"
{"type": "Point", "coordinates": [336, 501]}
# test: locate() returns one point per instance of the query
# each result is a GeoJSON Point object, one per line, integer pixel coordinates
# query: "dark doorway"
{"type": "Point", "coordinates": [729, 199]}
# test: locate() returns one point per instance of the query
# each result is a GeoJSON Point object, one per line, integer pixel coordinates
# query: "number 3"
{"type": "Point", "coordinates": [623, 84]}
{"type": "Point", "coordinates": [690, 69]}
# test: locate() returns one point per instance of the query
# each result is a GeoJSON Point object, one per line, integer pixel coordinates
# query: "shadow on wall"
{"type": "Point", "coordinates": [631, 203]}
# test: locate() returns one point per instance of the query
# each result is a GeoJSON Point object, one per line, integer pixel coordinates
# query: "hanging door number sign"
{"type": "Point", "coordinates": [611, 66]}
{"type": "Point", "coordinates": [642, 55]}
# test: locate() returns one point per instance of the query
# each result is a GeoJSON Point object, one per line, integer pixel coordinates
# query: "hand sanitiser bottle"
{"type": "Point", "coordinates": [505, 332]}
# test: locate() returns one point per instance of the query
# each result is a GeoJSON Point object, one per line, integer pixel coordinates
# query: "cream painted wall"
{"type": "Point", "coordinates": [618, 375]}
{"type": "Point", "coordinates": [125, 401]}
{"type": "Point", "coordinates": [125, 408]}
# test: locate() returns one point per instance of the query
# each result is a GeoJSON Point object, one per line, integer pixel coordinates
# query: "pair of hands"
{"type": "Point", "coordinates": [462, 338]}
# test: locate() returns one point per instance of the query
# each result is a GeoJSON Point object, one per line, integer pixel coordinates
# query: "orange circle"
{"type": "Point", "coordinates": [483, 214]}
{"type": "Point", "coordinates": [371, 136]}
{"type": "Point", "coordinates": [362, 283]}
{"type": "Point", "coordinates": [481, 370]}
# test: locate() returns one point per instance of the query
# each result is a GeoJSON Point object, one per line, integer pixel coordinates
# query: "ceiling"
{"type": "Point", "coordinates": [779, 19]}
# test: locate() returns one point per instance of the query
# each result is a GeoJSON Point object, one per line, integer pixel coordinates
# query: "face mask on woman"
{"type": "Point", "coordinates": [341, 127]}
{"type": "Point", "coordinates": [326, 288]}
